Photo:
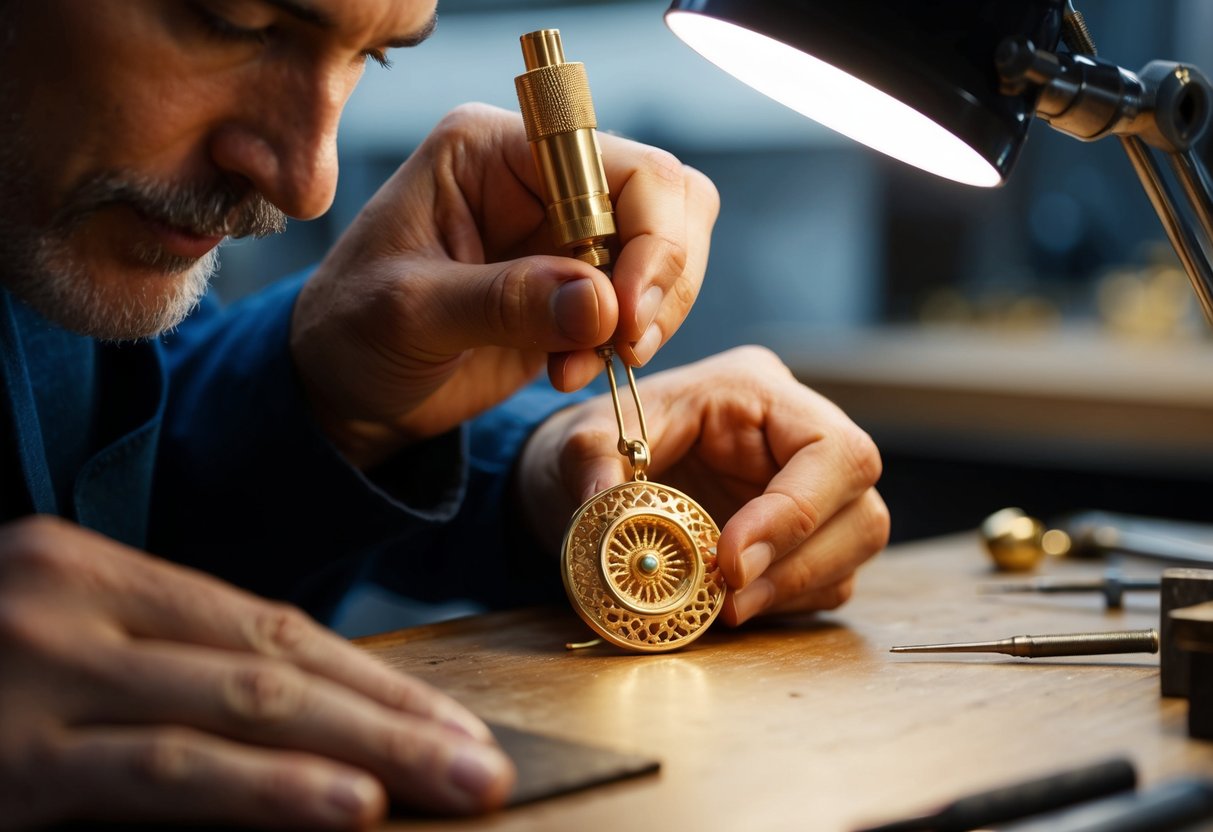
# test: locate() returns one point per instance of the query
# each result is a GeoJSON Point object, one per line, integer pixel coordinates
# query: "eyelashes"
{"type": "Point", "coordinates": [217, 27]}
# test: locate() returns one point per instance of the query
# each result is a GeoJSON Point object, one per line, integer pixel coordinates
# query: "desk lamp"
{"type": "Point", "coordinates": [950, 86]}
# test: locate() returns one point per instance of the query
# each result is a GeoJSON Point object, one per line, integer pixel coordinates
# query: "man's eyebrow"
{"type": "Point", "coordinates": [414, 38]}
{"type": "Point", "coordinates": [310, 14]}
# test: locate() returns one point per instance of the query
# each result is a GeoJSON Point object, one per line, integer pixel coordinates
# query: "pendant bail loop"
{"type": "Point", "coordinates": [636, 450]}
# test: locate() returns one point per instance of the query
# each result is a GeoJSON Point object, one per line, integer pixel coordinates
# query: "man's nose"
{"type": "Point", "coordinates": [285, 144]}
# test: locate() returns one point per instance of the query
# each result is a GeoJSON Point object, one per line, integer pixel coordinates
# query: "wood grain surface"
{"type": "Point", "coordinates": [809, 723]}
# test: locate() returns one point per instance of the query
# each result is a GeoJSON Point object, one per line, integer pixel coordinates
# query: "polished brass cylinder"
{"type": "Point", "coordinates": [558, 113]}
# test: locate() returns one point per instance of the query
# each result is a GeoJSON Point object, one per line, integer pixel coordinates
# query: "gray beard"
{"type": "Point", "coordinates": [60, 289]}
{"type": "Point", "coordinates": [36, 260]}
{"type": "Point", "coordinates": [36, 265]}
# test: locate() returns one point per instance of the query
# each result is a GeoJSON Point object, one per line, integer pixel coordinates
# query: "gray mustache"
{"type": "Point", "coordinates": [218, 209]}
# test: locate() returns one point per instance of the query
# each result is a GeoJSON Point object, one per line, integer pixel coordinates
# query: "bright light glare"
{"type": "Point", "coordinates": [832, 97]}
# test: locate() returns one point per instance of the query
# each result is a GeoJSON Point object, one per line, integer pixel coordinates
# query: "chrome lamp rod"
{"type": "Point", "coordinates": [1166, 107]}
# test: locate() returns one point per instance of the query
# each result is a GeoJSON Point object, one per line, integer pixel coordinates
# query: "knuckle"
{"type": "Point", "coordinates": [664, 165]}
{"type": "Point", "coordinates": [165, 758]}
{"type": "Point", "coordinates": [672, 260]}
{"type": "Point", "coordinates": [587, 444]}
{"type": "Point", "coordinates": [20, 630]}
{"type": "Point", "coordinates": [409, 752]}
{"type": "Point", "coordinates": [797, 582]}
{"type": "Point", "coordinates": [36, 546]}
{"type": "Point", "coordinates": [505, 300]}
{"type": "Point", "coordinates": [757, 356]}
{"type": "Point", "coordinates": [804, 517]}
{"type": "Point", "coordinates": [684, 289]}
{"type": "Point", "coordinates": [262, 694]}
{"type": "Point", "coordinates": [877, 521]}
{"type": "Point", "coordinates": [461, 120]}
{"type": "Point", "coordinates": [285, 787]}
{"type": "Point", "coordinates": [702, 189]}
{"type": "Point", "coordinates": [278, 630]}
{"type": "Point", "coordinates": [838, 595]}
{"type": "Point", "coordinates": [863, 456]}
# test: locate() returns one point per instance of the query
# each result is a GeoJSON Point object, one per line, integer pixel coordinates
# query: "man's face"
{"type": "Point", "coordinates": [136, 135]}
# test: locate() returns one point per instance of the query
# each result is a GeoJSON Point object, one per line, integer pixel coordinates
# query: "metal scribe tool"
{"type": "Point", "coordinates": [1112, 586]}
{"type": "Point", "coordinates": [1035, 647]}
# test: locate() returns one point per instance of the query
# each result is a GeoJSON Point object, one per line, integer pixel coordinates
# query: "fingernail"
{"type": "Point", "coordinates": [353, 795]}
{"type": "Point", "coordinates": [646, 347]}
{"type": "Point", "coordinates": [575, 310]}
{"type": "Point", "coordinates": [753, 599]}
{"type": "Point", "coordinates": [755, 560]}
{"type": "Point", "coordinates": [476, 769]}
{"type": "Point", "coordinates": [649, 306]}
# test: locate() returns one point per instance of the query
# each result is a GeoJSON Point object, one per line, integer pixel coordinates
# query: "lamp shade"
{"type": "Point", "coordinates": [915, 79]}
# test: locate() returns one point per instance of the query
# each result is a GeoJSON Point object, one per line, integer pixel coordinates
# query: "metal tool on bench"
{"type": "Point", "coordinates": [1034, 647]}
{"type": "Point", "coordinates": [1113, 586]}
{"type": "Point", "coordinates": [1184, 638]}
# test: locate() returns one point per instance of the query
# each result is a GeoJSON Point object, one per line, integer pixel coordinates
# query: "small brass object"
{"type": "Point", "coordinates": [639, 559]}
{"type": "Point", "coordinates": [1018, 543]}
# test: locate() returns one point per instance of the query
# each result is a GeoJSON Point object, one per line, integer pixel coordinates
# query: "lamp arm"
{"type": "Point", "coordinates": [1193, 176]}
{"type": "Point", "coordinates": [1180, 232]}
{"type": "Point", "coordinates": [1166, 106]}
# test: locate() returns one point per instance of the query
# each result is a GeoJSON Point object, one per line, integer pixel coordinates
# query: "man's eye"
{"type": "Point", "coordinates": [220, 27]}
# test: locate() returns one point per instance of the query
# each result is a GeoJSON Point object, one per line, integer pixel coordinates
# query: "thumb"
{"type": "Point", "coordinates": [549, 304]}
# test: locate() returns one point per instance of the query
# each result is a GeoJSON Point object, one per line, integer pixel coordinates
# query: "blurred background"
{"type": "Point", "coordinates": [1033, 345]}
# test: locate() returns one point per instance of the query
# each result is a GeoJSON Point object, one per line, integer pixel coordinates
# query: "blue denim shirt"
{"type": "Point", "coordinates": [199, 447]}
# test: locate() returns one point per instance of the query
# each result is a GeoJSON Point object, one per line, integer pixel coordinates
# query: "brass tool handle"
{"type": "Point", "coordinates": [558, 112]}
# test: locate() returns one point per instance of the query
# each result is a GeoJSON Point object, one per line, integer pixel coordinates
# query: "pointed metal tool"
{"type": "Point", "coordinates": [1066, 644]}
{"type": "Point", "coordinates": [1112, 586]}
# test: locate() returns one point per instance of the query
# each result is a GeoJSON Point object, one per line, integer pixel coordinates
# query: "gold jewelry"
{"type": "Point", "coordinates": [639, 559]}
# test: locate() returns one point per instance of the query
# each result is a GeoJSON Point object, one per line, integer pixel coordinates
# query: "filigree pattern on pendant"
{"type": "Point", "coordinates": [639, 564]}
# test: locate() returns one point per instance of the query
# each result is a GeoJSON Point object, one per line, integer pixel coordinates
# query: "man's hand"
{"type": "Point", "coordinates": [789, 476]}
{"type": "Point", "coordinates": [446, 295]}
{"type": "Point", "coordinates": [135, 689]}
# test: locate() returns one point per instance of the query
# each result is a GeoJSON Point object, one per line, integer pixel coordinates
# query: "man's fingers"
{"type": "Point", "coordinates": [819, 479]}
{"type": "Point", "coordinates": [665, 212]}
{"type": "Point", "coordinates": [244, 623]}
{"type": "Point", "coordinates": [150, 598]}
{"type": "Point", "coordinates": [180, 775]}
{"type": "Point", "coordinates": [569, 371]}
{"type": "Point", "coordinates": [548, 304]}
{"type": "Point", "coordinates": [756, 598]}
{"type": "Point", "coordinates": [270, 702]}
{"type": "Point", "coordinates": [816, 573]}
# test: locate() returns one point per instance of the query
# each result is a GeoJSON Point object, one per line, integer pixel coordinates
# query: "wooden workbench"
{"type": "Point", "coordinates": [809, 723]}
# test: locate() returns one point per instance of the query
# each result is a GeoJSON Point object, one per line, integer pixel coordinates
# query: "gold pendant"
{"type": "Point", "coordinates": [639, 559]}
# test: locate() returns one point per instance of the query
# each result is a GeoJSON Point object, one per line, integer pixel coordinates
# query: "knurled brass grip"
{"type": "Point", "coordinates": [558, 112]}
{"type": "Point", "coordinates": [555, 99]}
